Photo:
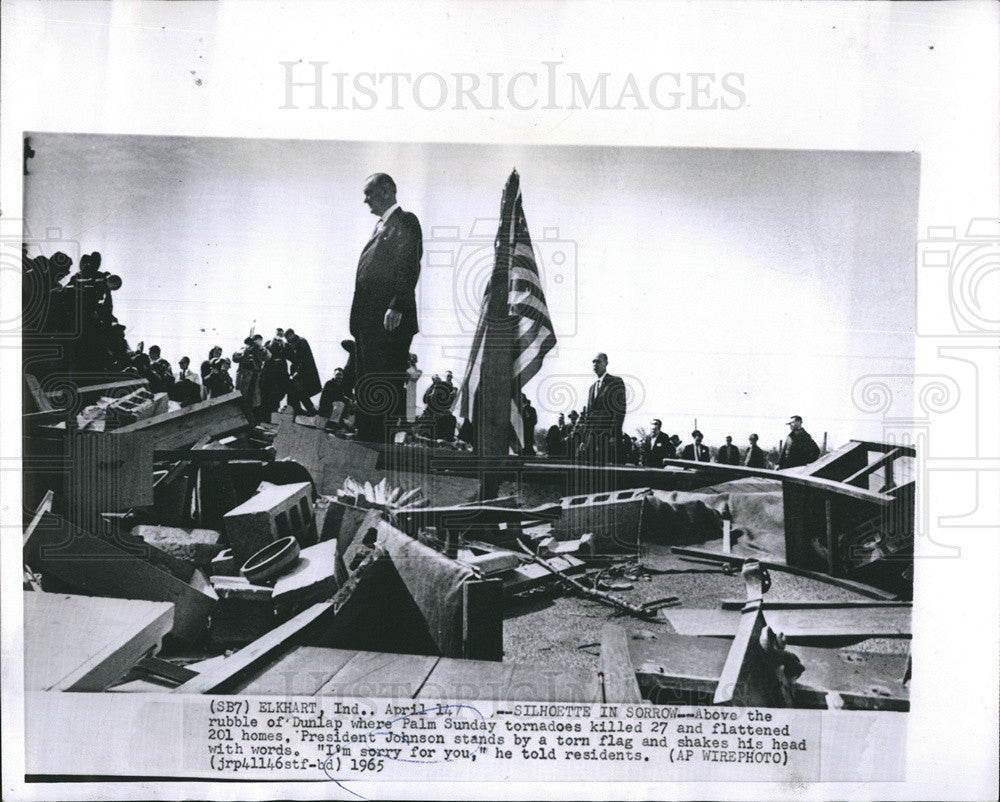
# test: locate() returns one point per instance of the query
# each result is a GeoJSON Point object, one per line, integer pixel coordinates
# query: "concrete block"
{"type": "Point", "coordinates": [614, 518]}
{"type": "Point", "coordinates": [275, 511]}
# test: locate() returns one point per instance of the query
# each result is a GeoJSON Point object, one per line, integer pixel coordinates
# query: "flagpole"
{"type": "Point", "coordinates": [496, 370]}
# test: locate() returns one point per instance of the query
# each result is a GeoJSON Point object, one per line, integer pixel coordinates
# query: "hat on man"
{"type": "Point", "coordinates": [696, 433]}
{"type": "Point", "coordinates": [795, 419]}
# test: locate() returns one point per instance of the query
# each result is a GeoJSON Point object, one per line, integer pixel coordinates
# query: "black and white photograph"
{"type": "Point", "coordinates": [366, 462]}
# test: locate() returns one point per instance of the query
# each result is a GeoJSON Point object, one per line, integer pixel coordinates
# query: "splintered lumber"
{"type": "Point", "coordinates": [617, 672]}
{"type": "Point", "coordinates": [215, 454]}
{"type": "Point", "coordinates": [114, 569]}
{"type": "Point", "coordinates": [185, 426]}
{"type": "Point", "coordinates": [228, 672]}
{"type": "Point", "coordinates": [799, 624]}
{"type": "Point", "coordinates": [85, 643]}
{"type": "Point", "coordinates": [737, 562]}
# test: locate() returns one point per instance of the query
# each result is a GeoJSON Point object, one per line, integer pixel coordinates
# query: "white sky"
{"type": "Point", "coordinates": [735, 286]}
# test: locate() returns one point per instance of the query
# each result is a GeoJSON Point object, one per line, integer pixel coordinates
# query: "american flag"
{"type": "Point", "coordinates": [533, 335]}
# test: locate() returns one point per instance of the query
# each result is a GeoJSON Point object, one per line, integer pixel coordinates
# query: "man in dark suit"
{"type": "Point", "coordinates": [728, 454]}
{"type": "Point", "coordinates": [303, 375]}
{"type": "Point", "coordinates": [605, 413]}
{"type": "Point", "coordinates": [384, 311]}
{"type": "Point", "coordinates": [755, 457]}
{"type": "Point", "coordinates": [799, 448]}
{"type": "Point", "coordinates": [657, 446]}
{"type": "Point", "coordinates": [696, 451]}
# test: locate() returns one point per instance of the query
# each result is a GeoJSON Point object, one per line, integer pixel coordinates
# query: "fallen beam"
{"type": "Point", "coordinates": [816, 604]}
{"type": "Point", "coordinates": [737, 562]}
{"type": "Point", "coordinates": [218, 678]}
{"type": "Point", "coordinates": [469, 515]}
{"type": "Point", "coordinates": [617, 672]}
{"type": "Point", "coordinates": [84, 643]}
{"type": "Point", "coordinates": [798, 625]}
{"type": "Point", "coordinates": [185, 426]}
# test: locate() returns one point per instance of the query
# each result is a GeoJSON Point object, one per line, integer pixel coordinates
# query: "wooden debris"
{"type": "Point", "coordinates": [85, 643]}
{"type": "Point", "coordinates": [185, 426]}
{"type": "Point", "coordinates": [618, 681]}
{"type": "Point", "coordinates": [329, 459]}
{"type": "Point", "coordinates": [100, 567]}
{"type": "Point", "coordinates": [796, 625]}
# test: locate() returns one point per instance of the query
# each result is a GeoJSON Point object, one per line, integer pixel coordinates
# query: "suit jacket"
{"type": "Point", "coordinates": [755, 458]}
{"type": "Point", "coordinates": [655, 450]}
{"type": "Point", "coordinates": [387, 277]}
{"type": "Point", "coordinates": [606, 407]}
{"type": "Point", "coordinates": [798, 449]}
{"type": "Point", "coordinates": [703, 453]}
{"type": "Point", "coordinates": [728, 455]}
{"type": "Point", "coordinates": [303, 368]}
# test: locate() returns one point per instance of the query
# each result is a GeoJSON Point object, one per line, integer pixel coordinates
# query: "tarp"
{"type": "Point", "coordinates": [754, 506]}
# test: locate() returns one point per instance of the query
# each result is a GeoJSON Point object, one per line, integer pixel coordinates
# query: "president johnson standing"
{"type": "Point", "coordinates": [384, 312]}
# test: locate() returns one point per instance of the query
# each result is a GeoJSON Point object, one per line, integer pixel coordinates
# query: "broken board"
{"type": "Point", "coordinates": [85, 643]}
{"type": "Point", "coordinates": [859, 623]}
{"type": "Point", "coordinates": [329, 459]}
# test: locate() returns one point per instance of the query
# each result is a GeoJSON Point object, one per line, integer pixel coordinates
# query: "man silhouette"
{"type": "Point", "coordinates": [728, 454]}
{"type": "Point", "coordinates": [606, 408]}
{"type": "Point", "coordinates": [656, 447]}
{"type": "Point", "coordinates": [384, 310]}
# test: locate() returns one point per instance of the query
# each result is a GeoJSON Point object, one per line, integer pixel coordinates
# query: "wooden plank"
{"type": "Point", "coordinates": [84, 643]}
{"type": "Point", "coordinates": [380, 675]}
{"type": "Point", "coordinates": [815, 604]}
{"type": "Point", "coordinates": [798, 624]}
{"type": "Point", "coordinates": [198, 455]}
{"type": "Point", "coordinates": [237, 665]}
{"type": "Point", "coordinates": [107, 568]}
{"type": "Point", "coordinates": [300, 672]}
{"type": "Point", "coordinates": [454, 679]}
{"type": "Point", "coordinates": [184, 426]}
{"type": "Point", "coordinates": [749, 677]}
{"type": "Point", "coordinates": [312, 577]}
{"type": "Point", "coordinates": [93, 392]}
{"type": "Point", "coordinates": [737, 562]}
{"type": "Point", "coordinates": [617, 672]}
{"type": "Point", "coordinates": [482, 619]}
{"type": "Point", "coordinates": [868, 470]}
{"type": "Point", "coordinates": [44, 507]}
{"type": "Point", "coordinates": [683, 668]}
{"type": "Point", "coordinates": [108, 472]}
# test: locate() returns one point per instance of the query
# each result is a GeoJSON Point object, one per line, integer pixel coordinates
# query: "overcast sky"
{"type": "Point", "coordinates": [732, 286]}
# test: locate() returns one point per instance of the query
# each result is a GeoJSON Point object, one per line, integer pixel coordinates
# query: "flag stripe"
{"type": "Point", "coordinates": [535, 335]}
